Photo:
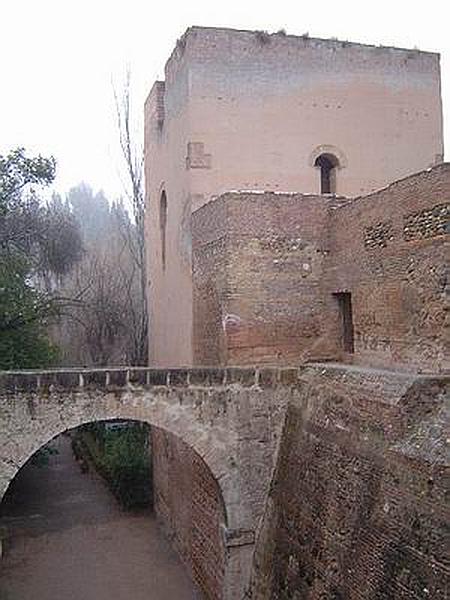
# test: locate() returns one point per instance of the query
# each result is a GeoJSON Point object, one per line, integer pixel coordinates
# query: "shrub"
{"type": "Point", "coordinates": [122, 457]}
{"type": "Point", "coordinates": [127, 464]}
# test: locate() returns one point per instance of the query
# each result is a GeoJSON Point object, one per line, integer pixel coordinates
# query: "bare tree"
{"type": "Point", "coordinates": [102, 323]}
{"type": "Point", "coordinates": [133, 158]}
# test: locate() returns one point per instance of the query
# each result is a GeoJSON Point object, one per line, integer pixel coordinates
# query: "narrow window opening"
{"type": "Point", "coordinates": [163, 226]}
{"type": "Point", "coordinates": [346, 320]}
{"type": "Point", "coordinates": [327, 164]}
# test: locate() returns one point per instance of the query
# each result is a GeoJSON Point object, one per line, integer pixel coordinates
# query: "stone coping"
{"type": "Point", "coordinates": [131, 377]}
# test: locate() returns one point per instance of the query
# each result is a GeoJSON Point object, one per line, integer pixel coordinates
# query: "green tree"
{"type": "Point", "coordinates": [37, 242]}
{"type": "Point", "coordinates": [17, 172]}
{"type": "Point", "coordinates": [23, 316]}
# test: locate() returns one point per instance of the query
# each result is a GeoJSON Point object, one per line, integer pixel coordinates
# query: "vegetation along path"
{"type": "Point", "coordinates": [68, 539]}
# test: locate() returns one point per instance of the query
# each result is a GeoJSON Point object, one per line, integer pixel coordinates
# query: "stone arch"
{"type": "Point", "coordinates": [200, 560]}
{"type": "Point", "coordinates": [212, 410]}
{"type": "Point", "coordinates": [41, 419]}
{"type": "Point", "coordinates": [34, 421]}
{"type": "Point", "coordinates": [341, 158]}
{"type": "Point", "coordinates": [27, 457]}
{"type": "Point", "coordinates": [327, 160]}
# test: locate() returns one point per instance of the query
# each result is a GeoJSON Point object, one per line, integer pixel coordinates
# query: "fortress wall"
{"type": "Point", "coordinates": [244, 110]}
{"type": "Point", "coordinates": [357, 505]}
{"type": "Point", "coordinates": [267, 266]}
{"type": "Point", "coordinates": [391, 251]}
{"type": "Point", "coordinates": [190, 508]}
{"type": "Point", "coordinates": [258, 280]}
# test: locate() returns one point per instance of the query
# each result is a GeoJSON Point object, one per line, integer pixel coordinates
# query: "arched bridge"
{"type": "Point", "coordinates": [230, 417]}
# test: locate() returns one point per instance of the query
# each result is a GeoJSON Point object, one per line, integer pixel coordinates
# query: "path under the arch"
{"type": "Point", "coordinates": [70, 540]}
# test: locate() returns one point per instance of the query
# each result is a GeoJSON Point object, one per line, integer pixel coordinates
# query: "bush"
{"type": "Point", "coordinates": [127, 462]}
{"type": "Point", "coordinates": [122, 457]}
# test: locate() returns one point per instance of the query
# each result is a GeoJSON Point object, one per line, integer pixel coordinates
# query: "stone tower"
{"type": "Point", "coordinates": [242, 110]}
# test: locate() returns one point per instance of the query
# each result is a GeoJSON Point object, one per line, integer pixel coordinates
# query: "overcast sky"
{"type": "Point", "coordinates": [58, 58]}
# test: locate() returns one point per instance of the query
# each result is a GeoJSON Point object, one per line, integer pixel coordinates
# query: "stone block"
{"type": "Point", "coordinates": [8, 383]}
{"type": "Point", "coordinates": [178, 377]}
{"type": "Point", "coordinates": [288, 377]}
{"type": "Point", "coordinates": [94, 379]}
{"type": "Point", "coordinates": [118, 378]}
{"type": "Point", "coordinates": [206, 377]}
{"type": "Point", "coordinates": [239, 537]}
{"type": "Point", "coordinates": [268, 377]}
{"type": "Point", "coordinates": [26, 382]}
{"type": "Point", "coordinates": [244, 376]}
{"type": "Point", "coordinates": [137, 376]}
{"type": "Point", "coordinates": [157, 377]}
{"type": "Point", "coordinates": [59, 380]}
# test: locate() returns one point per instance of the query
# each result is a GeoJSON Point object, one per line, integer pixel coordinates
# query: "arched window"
{"type": "Point", "coordinates": [327, 164]}
{"type": "Point", "coordinates": [163, 226]}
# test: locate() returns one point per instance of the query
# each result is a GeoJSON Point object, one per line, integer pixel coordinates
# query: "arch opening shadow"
{"type": "Point", "coordinates": [185, 494]}
{"type": "Point", "coordinates": [327, 163]}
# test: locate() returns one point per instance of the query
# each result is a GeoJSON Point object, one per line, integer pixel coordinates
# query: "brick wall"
{"type": "Point", "coordinates": [267, 266]}
{"type": "Point", "coordinates": [210, 275]}
{"type": "Point", "coordinates": [390, 250]}
{"type": "Point", "coordinates": [357, 507]}
{"type": "Point", "coordinates": [188, 503]}
{"type": "Point", "coordinates": [258, 279]}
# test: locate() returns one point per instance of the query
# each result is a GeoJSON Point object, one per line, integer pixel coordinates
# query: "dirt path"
{"type": "Point", "coordinates": [70, 541]}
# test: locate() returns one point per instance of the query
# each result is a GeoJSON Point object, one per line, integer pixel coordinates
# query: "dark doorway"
{"type": "Point", "coordinates": [346, 319]}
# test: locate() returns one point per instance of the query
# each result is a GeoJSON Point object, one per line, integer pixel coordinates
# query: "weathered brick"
{"type": "Point", "coordinates": [350, 504]}
{"type": "Point", "coordinates": [182, 479]}
{"type": "Point", "coordinates": [277, 288]}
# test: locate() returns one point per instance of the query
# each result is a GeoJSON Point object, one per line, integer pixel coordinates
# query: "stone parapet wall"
{"type": "Point", "coordinates": [106, 379]}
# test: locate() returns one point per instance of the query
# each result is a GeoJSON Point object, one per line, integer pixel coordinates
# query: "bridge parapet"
{"type": "Point", "coordinates": [130, 378]}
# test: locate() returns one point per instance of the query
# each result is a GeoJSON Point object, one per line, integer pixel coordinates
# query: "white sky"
{"type": "Point", "coordinates": [58, 58]}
